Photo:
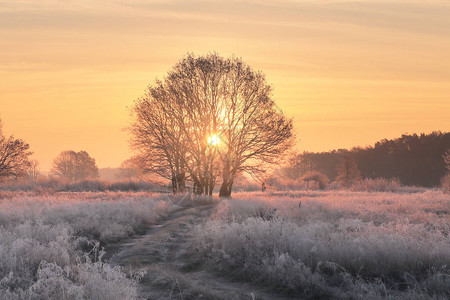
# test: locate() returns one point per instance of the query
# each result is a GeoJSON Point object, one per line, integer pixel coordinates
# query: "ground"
{"type": "Point", "coordinates": [162, 251]}
{"type": "Point", "coordinates": [256, 245]}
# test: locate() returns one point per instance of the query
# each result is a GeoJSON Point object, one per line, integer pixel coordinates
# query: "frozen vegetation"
{"type": "Point", "coordinates": [302, 244]}
{"type": "Point", "coordinates": [49, 244]}
{"type": "Point", "coordinates": [333, 244]}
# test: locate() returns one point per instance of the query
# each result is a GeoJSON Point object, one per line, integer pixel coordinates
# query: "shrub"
{"type": "Point", "coordinates": [383, 185]}
{"type": "Point", "coordinates": [321, 179]}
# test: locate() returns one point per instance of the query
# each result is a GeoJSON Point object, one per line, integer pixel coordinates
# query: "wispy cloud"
{"type": "Point", "coordinates": [369, 58]}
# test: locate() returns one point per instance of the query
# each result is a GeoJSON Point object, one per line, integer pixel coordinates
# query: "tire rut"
{"type": "Point", "coordinates": [171, 274]}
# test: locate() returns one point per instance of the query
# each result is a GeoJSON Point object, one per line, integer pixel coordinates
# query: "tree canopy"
{"type": "Point", "coordinates": [415, 159]}
{"type": "Point", "coordinates": [210, 116]}
{"type": "Point", "coordinates": [14, 157]}
{"type": "Point", "coordinates": [74, 165]}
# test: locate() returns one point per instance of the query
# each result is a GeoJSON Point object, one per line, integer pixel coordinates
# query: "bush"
{"type": "Point", "coordinates": [383, 185]}
{"type": "Point", "coordinates": [321, 179]}
{"type": "Point", "coordinates": [445, 183]}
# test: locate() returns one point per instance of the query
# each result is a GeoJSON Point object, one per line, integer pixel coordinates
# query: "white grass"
{"type": "Point", "coordinates": [336, 244]}
{"type": "Point", "coordinates": [41, 238]}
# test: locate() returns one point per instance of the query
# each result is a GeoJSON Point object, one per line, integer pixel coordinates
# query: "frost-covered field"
{"type": "Point", "coordinates": [334, 244]}
{"type": "Point", "coordinates": [45, 241]}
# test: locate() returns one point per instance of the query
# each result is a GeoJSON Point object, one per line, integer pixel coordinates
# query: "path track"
{"type": "Point", "coordinates": [171, 274]}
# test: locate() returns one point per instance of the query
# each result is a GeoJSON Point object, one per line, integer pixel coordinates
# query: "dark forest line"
{"type": "Point", "coordinates": [413, 159]}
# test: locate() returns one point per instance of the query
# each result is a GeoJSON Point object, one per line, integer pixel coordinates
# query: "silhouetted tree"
{"type": "Point", "coordinates": [198, 86]}
{"type": "Point", "coordinates": [347, 170]}
{"type": "Point", "coordinates": [74, 166]}
{"type": "Point", "coordinates": [296, 166]}
{"type": "Point", "coordinates": [129, 169]}
{"type": "Point", "coordinates": [158, 138]}
{"type": "Point", "coordinates": [209, 116]}
{"type": "Point", "coordinates": [33, 170]}
{"type": "Point", "coordinates": [14, 157]}
{"type": "Point", "coordinates": [253, 130]}
{"type": "Point", "coordinates": [413, 159]}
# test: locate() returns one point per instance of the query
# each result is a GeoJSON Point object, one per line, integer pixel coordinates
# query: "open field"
{"type": "Point", "coordinates": [332, 244]}
{"type": "Point", "coordinates": [45, 241]}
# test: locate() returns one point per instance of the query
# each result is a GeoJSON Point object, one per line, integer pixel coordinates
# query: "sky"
{"type": "Point", "coordinates": [349, 73]}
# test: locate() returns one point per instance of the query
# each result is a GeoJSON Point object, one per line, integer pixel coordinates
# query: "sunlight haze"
{"type": "Point", "coordinates": [349, 72]}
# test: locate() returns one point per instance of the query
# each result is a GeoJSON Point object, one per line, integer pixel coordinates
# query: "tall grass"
{"type": "Point", "coordinates": [87, 185]}
{"type": "Point", "coordinates": [384, 185]}
{"type": "Point", "coordinates": [334, 244]}
{"type": "Point", "coordinates": [44, 239]}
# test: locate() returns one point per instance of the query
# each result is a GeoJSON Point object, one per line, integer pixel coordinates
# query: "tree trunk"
{"type": "Point", "coordinates": [227, 184]}
{"type": "Point", "coordinates": [174, 184]}
{"type": "Point", "coordinates": [211, 187]}
{"type": "Point", "coordinates": [181, 183]}
{"type": "Point", "coordinates": [198, 187]}
{"type": "Point", "coordinates": [225, 189]}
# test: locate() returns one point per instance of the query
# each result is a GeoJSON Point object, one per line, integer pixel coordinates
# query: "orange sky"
{"type": "Point", "coordinates": [348, 72]}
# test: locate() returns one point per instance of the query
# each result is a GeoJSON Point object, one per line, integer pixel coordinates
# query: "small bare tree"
{"type": "Point", "coordinates": [33, 170]}
{"type": "Point", "coordinates": [347, 170]}
{"type": "Point", "coordinates": [295, 167]}
{"type": "Point", "coordinates": [14, 157]}
{"type": "Point", "coordinates": [74, 165]}
{"type": "Point", "coordinates": [129, 169]}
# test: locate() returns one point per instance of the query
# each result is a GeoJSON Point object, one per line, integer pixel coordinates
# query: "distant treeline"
{"type": "Point", "coordinates": [413, 159]}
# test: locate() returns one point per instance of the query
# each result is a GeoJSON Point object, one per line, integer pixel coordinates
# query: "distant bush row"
{"type": "Point", "coordinates": [87, 185]}
{"type": "Point", "coordinates": [314, 182]}
{"type": "Point", "coordinates": [319, 182]}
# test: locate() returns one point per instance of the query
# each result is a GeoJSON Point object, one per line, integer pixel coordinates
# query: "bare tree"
{"type": "Point", "coordinates": [74, 165]}
{"type": "Point", "coordinates": [198, 87]}
{"type": "Point", "coordinates": [14, 157]}
{"type": "Point", "coordinates": [33, 170]}
{"type": "Point", "coordinates": [210, 116]}
{"type": "Point", "coordinates": [128, 169]}
{"type": "Point", "coordinates": [347, 170]}
{"type": "Point", "coordinates": [254, 131]}
{"type": "Point", "coordinates": [295, 167]}
{"type": "Point", "coordinates": [158, 138]}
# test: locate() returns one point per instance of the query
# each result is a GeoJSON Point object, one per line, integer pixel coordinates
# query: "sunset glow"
{"type": "Point", "coordinates": [349, 73]}
{"type": "Point", "coordinates": [214, 140]}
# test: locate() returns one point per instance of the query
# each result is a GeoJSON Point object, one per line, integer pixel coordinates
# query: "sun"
{"type": "Point", "coordinates": [213, 140]}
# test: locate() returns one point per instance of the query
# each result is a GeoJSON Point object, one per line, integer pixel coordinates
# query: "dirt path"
{"type": "Point", "coordinates": [171, 274]}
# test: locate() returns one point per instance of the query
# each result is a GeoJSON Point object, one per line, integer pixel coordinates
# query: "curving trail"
{"type": "Point", "coordinates": [162, 251]}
